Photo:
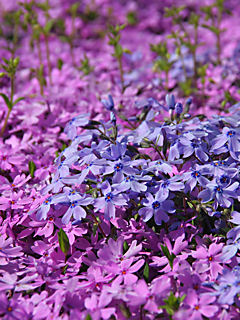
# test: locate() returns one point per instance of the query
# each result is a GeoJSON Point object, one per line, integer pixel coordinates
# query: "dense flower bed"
{"type": "Point", "coordinates": [119, 159]}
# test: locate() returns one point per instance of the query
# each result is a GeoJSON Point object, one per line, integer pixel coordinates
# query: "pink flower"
{"type": "Point", "coordinates": [208, 259]}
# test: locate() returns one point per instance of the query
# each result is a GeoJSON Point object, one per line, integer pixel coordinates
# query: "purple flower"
{"type": "Point", "coordinates": [200, 305]}
{"type": "Point", "coordinates": [178, 108]}
{"type": "Point", "coordinates": [125, 270]}
{"type": "Point", "coordinates": [159, 165]}
{"type": "Point", "coordinates": [7, 249]}
{"type": "Point", "coordinates": [110, 199]}
{"type": "Point", "coordinates": [155, 206]}
{"type": "Point", "coordinates": [232, 138]}
{"type": "Point", "coordinates": [76, 209]}
{"type": "Point", "coordinates": [97, 306]}
{"type": "Point", "coordinates": [227, 286]}
{"type": "Point", "coordinates": [71, 127]}
{"type": "Point", "coordinates": [168, 185]}
{"type": "Point", "coordinates": [195, 147]}
{"type": "Point", "coordinates": [45, 207]}
{"type": "Point", "coordinates": [113, 251]}
{"type": "Point", "coordinates": [194, 177]}
{"type": "Point", "coordinates": [170, 101]}
{"type": "Point", "coordinates": [132, 182]}
{"type": "Point", "coordinates": [108, 104]}
{"type": "Point", "coordinates": [232, 246]}
{"type": "Point", "coordinates": [221, 195]}
{"type": "Point", "coordinates": [120, 168]}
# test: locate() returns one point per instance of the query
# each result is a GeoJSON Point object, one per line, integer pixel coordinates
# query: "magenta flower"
{"type": "Point", "coordinates": [209, 259]}
{"type": "Point", "coordinates": [7, 249]}
{"type": "Point", "coordinates": [200, 305]}
{"type": "Point", "coordinates": [125, 270]}
{"type": "Point", "coordinates": [98, 306]}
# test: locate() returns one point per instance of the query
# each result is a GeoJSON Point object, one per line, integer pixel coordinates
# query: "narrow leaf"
{"type": "Point", "coordinates": [7, 101]}
{"type": "Point", "coordinates": [63, 241]}
{"type": "Point", "coordinates": [31, 168]}
{"type": "Point", "coordinates": [17, 100]}
{"type": "Point", "coordinates": [146, 272]}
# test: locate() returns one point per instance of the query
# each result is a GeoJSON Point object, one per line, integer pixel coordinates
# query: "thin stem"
{"type": "Point", "coordinates": [219, 18]}
{"type": "Point", "coordinates": [121, 73]}
{"type": "Point", "coordinates": [167, 80]}
{"type": "Point", "coordinates": [5, 123]}
{"type": "Point", "coordinates": [48, 59]}
{"type": "Point", "coordinates": [39, 52]}
{"type": "Point", "coordinates": [12, 88]}
{"type": "Point", "coordinates": [194, 53]}
{"type": "Point", "coordinates": [72, 36]}
{"type": "Point", "coordinates": [98, 224]}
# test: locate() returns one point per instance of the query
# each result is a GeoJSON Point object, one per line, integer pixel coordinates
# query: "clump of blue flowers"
{"type": "Point", "coordinates": [162, 172]}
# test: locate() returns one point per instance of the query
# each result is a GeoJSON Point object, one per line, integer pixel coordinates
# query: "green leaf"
{"type": "Point", "coordinates": [7, 101]}
{"type": "Point", "coordinates": [146, 272]}
{"type": "Point", "coordinates": [59, 63]}
{"type": "Point", "coordinates": [88, 317]}
{"type": "Point", "coordinates": [190, 205]}
{"type": "Point", "coordinates": [16, 62]}
{"type": "Point", "coordinates": [211, 28]}
{"type": "Point", "coordinates": [63, 241]}
{"type": "Point", "coordinates": [17, 100]}
{"type": "Point", "coordinates": [48, 26]}
{"type": "Point", "coordinates": [125, 247]}
{"type": "Point", "coordinates": [125, 310]}
{"type": "Point", "coordinates": [31, 168]}
{"type": "Point", "coordinates": [169, 256]}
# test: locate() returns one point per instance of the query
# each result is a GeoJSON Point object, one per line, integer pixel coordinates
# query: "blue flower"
{"type": "Point", "coordinates": [108, 104]}
{"type": "Point", "coordinates": [110, 199]}
{"type": "Point", "coordinates": [221, 195]}
{"type": "Point", "coordinates": [71, 127]}
{"type": "Point", "coordinates": [157, 207]}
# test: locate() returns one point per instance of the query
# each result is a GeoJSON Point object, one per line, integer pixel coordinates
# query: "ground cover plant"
{"type": "Point", "coordinates": [119, 159]}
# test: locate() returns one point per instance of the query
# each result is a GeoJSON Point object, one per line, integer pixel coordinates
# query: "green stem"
{"type": "Point", "coordinates": [12, 89]}
{"type": "Point", "coordinates": [72, 36]}
{"type": "Point", "coordinates": [98, 224]}
{"type": "Point", "coordinates": [48, 59]}
{"type": "Point", "coordinates": [5, 123]}
{"type": "Point", "coordinates": [121, 73]}
{"type": "Point", "coordinates": [167, 80]}
{"type": "Point", "coordinates": [194, 53]}
{"type": "Point", "coordinates": [219, 19]}
{"type": "Point", "coordinates": [39, 51]}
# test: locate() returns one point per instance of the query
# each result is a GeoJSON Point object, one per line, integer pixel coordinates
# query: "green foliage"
{"type": "Point", "coordinates": [31, 168]}
{"type": "Point", "coordinates": [7, 101]}
{"type": "Point", "coordinates": [172, 304]}
{"type": "Point", "coordinates": [169, 256]}
{"type": "Point", "coordinates": [114, 38]}
{"type": "Point", "coordinates": [125, 310]}
{"type": "Point", "coordinates": [132, 18]}
{"type": "Point", "coordinates": [88, 317]}
{"type": "Point", "coordinates": [114, 41]}
{"type": "Point", "coordinates": [174, 12]}
{"type": "Point", "coordinates": [63, 241]}
{"type": "Point", "coordinates": [85, 67]}
{"type": "Point", "coordinates": [59, 63]}
{"type": "Point", "coordinates": [125, 247]}
{"type": "Point", "coordinates": [146, 272]}
{"type": "Point", "coordinates": [10, 66]}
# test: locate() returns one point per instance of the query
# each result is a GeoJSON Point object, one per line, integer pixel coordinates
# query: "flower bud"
{"type": "Point", "coordinates": [179, 108]}
{"type": "Point", "coordinates": [170, 100]}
